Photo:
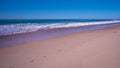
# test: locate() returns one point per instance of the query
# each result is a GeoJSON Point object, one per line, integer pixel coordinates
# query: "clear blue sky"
{"type": "Point", "coordinates": [42, 9]}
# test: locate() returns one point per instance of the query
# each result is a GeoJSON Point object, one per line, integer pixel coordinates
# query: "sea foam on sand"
{"type": "Point", "coordinates": [31, 27]}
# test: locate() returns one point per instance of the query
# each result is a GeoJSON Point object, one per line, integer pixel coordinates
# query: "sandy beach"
{"type": "Point", "coordinates": [90, 49]}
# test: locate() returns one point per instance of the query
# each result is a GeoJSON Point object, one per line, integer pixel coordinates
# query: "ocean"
{"type": "Point", "coordinates": [15, 26]}
{"type": "Point", "coordinates": [19, 31]}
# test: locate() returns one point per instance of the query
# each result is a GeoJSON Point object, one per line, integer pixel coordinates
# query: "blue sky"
{"type": "Point", "coordinates": [47, 9]}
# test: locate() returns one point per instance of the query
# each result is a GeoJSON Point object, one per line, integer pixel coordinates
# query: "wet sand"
{"type": "Point", "coordinates": [90, 49]}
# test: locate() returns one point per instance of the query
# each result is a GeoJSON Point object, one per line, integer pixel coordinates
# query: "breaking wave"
{"type": "Point", "coordinates": [30, 27]}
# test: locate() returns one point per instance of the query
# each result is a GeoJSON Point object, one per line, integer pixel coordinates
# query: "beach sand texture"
{"type": "Point", "coordinates": [90, 49]}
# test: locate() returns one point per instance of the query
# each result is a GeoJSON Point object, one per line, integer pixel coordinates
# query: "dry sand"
{"type": "Point", "coordinates": [91, 49]}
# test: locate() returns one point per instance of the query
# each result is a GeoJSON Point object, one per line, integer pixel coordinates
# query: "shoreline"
{"type": "Point", "coordinates": [5, 31]}
{"type": "Point", "coordinates": [89, 49]}
{"type": "Point", "coordinates": [16, 39]}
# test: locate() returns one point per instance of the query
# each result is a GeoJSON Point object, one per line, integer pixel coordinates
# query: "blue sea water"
{"type": "Point", "coordinates": [13, 26]}
{"type": "Point", "coordinates": [46, 21]}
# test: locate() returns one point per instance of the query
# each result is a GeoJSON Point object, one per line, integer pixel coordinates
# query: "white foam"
{"type": "Point", "coordinates": [23, 28]}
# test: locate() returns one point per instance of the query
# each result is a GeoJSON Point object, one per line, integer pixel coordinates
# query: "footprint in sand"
{"type": "Point", "coordinates": [44, 56]}
{"type": "Point", "coordinates": [31, 61]}
{"type": "Point", "coordinates": [60, 50]}
{"type": "Point", "coordinates": [11, 67]}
